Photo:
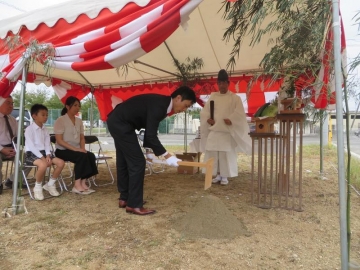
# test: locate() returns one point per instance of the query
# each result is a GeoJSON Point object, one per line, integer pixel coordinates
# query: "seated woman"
{"type": "Point", "coordinates": [70, 145]}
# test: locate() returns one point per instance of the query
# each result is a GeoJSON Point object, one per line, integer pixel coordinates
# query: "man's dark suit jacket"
{"type": "Point", "coordinates": [142, 111]}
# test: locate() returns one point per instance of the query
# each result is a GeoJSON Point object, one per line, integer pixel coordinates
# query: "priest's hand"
{"type": "Point", "coordinates": [211, 121]}
{"type": "Point", "coordinates": [173, 161]}
{"type": "Point", "coordinates": [227, 121]}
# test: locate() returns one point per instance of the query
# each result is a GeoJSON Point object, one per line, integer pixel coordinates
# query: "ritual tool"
{"type": "Point", "coordinates": [208, 165]}
{"type": "Point", "coordinates": [212, 109]}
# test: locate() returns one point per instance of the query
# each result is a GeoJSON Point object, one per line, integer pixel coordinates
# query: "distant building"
{"type": "Point", "coordinates": [354, 123]}
{"type": "Point", "coordinates": [184, 121]}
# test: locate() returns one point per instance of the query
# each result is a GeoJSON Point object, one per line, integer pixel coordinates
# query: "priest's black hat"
{"type": "Point", "coordinates": [223, 76]}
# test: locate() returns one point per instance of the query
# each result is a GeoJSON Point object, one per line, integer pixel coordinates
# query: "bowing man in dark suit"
{"type": "Point", "coordinates": [142, 111]}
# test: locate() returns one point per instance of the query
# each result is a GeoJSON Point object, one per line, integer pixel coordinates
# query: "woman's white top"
{"type": "Point", "coordinates": [70, 132]}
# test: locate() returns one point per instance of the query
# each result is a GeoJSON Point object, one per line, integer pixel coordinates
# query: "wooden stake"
{"type": "Point", "coordinates": [209, 168]}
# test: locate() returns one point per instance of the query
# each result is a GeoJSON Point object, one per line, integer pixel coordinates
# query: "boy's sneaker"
{"type": "Point", "coordinates": [224, 182]}
{"type": "Point", "coordinates": [216, 180]}
{"type": "Point", "coordinates": [38, 193]}
{"type": "Point", "coordinates": [51, 189]}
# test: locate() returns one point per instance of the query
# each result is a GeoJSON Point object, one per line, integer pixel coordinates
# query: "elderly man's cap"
{"type": "Point", "coordinates": [223, 76]}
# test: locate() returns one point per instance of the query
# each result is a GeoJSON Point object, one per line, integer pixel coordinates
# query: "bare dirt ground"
{"type": "Point", "coordinates": [193, 229]}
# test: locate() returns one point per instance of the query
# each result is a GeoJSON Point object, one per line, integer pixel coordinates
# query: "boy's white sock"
{"type": "Point", "coordinates": [218, 177]}
{"type": "Point", "coordinates": [51, 181]}
{"type": "Point", "coordinates": [38, 184]}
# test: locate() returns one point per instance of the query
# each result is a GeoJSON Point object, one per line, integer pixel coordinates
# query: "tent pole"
{"type": "Point", "coordinates": [184, 78]}
{"type": "Point", "coordinates": [176, 63]}
{"type": "Point", "coordinates": [340, 135]}
{"type": "Point", "coordinates": [92, 110]}
{"type": "Point", "coordinates": [85, 79]}
{"type": "Point", "coordinates": [92, 96]}
{"type": "Point", "coordinates": [147, 65]}
{"type": "Point", "coordinates": [19, 141]}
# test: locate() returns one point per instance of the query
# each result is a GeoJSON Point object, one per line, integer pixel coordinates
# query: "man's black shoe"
{"type": "Point", "coordinates": [1, 188]}
{"type": "Point", "coordinates": [8, 183]}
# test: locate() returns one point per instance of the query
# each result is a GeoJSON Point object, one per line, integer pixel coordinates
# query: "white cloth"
{"type": "Point", "coordinates": [195, 146]}
{"type": "Point", "coordinates": [36, 139]}
{"type": "Point", "coordinates": [223, 141]}
{"type": "Point", "coordinates": [169, 109]}
{"type": "Point", "coordinates": [224, 162]}
{"type": "Point", "coordinates": [71, 133]}
{"type": "Point", "coordinates": [4, 133]}
{"type": "Point", "coordinates": [173, 161]}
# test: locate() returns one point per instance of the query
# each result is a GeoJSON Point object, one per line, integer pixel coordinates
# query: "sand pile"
{"type": "Point", "coordinates": [210, 219]}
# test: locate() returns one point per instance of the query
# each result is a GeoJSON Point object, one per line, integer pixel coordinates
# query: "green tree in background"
{"type": "Point", "coordinates": [86, 108]}
{"type": "Point", "coordinates": [36, 95]}
{"type": "Point", "coordinates": [54, 102]}
{"type": "Point", "coordinates": [195, 113]}
{"type": "Point", "coordinates": [40, 94]}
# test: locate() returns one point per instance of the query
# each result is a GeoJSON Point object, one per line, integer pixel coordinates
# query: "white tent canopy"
{"type": "Point", "coordinates": [200, 37]}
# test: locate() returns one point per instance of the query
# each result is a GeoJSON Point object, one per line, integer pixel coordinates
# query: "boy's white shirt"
{"type": "Point", "coordinates": [36, 139]}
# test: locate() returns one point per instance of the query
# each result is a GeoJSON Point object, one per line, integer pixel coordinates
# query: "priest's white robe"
{"type": "Point", "coordinates": [223, 142]}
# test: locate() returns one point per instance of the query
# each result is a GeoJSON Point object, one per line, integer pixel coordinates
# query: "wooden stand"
{"type": "Point", "coordinates": [263, 183]}
{"type": "Point", "coordinates": [264, 125]}
{"type": "Point", "coordinates": [278, 180]}
{"type": "Point", "coordinates": [291, 106]}
{"type": "Point", "coordinates": [290, 164]}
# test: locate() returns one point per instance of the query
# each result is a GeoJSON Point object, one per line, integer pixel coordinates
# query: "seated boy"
{"type": "Point", "coordinates": [37, 147]}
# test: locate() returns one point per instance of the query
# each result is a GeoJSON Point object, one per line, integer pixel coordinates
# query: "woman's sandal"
{"type": "Point", "coordinates": [74, 190]}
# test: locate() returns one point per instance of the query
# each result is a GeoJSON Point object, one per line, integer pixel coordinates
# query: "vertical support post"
{"type": "Point", "coordinates": [92, 110]}
{"type": "Point", "coordinates": [252, 168]}
{"type": "Point", "coordinates": [19, 141]}
{"type": "Point", "coordinates": [259, 168]}
{"type": "Point", "coordinates": [340, 136]}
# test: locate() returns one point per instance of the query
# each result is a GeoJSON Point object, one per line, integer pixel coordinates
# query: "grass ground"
{"type": "Point", "coordinates": [91, 232]}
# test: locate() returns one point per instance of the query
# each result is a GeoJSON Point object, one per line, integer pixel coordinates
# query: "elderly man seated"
{"type": "Point", "coordinates": [8, 129]}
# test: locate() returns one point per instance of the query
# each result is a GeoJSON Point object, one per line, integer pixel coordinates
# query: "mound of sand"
{"type": "Point", "coordinates": [210, 219]}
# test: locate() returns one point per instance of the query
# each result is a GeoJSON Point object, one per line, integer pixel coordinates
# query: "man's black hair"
{"type": "Point", "coordinates": [186, 93]}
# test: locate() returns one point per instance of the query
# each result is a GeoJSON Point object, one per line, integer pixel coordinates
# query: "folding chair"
{"type": "Point", "coordinates": [30, 181]}
{"type": "Point", "coordinates": [151, 167]}
{"type": "Point", "coordinates": [148, 164]}
{"type": "Point", "coordinates": [69, 166]}
{"type": "Point", "coordinates": [92, 141]}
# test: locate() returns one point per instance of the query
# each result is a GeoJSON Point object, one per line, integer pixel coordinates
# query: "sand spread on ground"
{"type": "Point", "coordinates": [210, 218]}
